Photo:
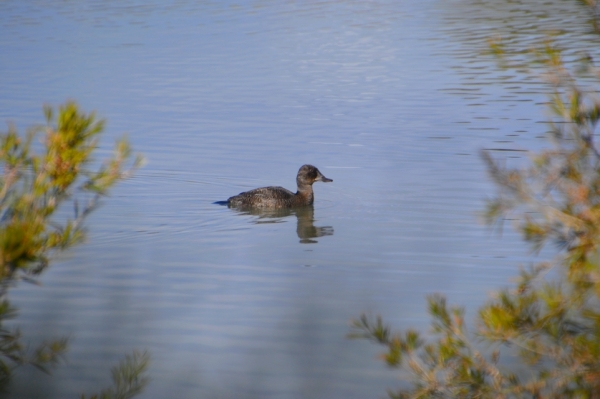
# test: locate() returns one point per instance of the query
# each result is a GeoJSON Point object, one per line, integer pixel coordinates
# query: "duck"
{"type": "Point", "coordinates": [278, 197]}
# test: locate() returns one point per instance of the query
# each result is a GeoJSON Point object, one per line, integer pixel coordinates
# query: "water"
{"type": "Point", "coordinates": [392, 100]}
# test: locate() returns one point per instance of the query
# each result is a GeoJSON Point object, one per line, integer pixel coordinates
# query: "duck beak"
{"type": "Point", "coordinates": [323, 179]}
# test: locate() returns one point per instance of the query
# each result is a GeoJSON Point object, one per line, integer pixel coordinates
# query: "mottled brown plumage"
{"type": "Point", "coordinates": [279, 197]}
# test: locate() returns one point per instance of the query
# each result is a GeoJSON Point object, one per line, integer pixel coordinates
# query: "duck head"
{"type": "Point", "coordinates": [308, 174]}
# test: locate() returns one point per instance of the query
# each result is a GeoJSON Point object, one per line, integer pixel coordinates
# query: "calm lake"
{"type": "Point", "coordinates": [393, 100]}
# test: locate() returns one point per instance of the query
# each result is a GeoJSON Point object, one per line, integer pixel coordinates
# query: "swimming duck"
{"type": "Point", "coordinates": [279, 197]}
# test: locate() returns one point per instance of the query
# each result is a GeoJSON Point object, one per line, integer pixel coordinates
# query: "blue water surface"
{"type": "Point", "coordinates": [393, 100]}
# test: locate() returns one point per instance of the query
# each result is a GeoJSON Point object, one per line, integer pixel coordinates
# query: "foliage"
{"type": "Point", "coordinates": [34, 187]}
{"type": "Point", "coordinates": [551, 317]}
{"type": "Point", "coordinates": [14, 353]}
{"type": "Point", "coordinates": [128, 378]}
{"type": "Point", "coordinates": [594, 9]}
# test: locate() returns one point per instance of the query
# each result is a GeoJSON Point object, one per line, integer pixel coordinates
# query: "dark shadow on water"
{"type": "Point", "coordinates": [305, 228]}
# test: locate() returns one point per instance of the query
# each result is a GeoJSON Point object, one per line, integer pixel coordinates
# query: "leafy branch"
{"type": "Point", "coordinates": [550, 319]}
{"type": "Point", "coordinates": [34, 187]}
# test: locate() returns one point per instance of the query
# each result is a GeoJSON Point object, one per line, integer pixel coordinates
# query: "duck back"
{"type": "Point", "coordinates": [265, 197]}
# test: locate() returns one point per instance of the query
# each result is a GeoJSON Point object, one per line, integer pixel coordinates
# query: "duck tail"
{"type": "Point", "coordinates": [221, 202]}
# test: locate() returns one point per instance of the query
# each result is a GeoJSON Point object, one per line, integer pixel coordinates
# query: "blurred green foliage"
{"type": "Point", "coordinates": [128, 378]}
{"type": "Point", "coordinates": [35, 188]}
{"type": "Point", "coordinates": [550, 319]}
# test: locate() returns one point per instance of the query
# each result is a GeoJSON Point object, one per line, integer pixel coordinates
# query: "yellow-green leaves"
{"type": "Point", "coordinates": [34, 186]}
{"type": "Point", "coordinates": [69, 145]}
{"type": "Point", "coordinates": [549, 321]}
{"type": "Point", "coordinates": [128, 377]}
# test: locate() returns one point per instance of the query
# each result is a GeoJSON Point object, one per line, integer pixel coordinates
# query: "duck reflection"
{"type": "Point", "coordinates": [305, 228]}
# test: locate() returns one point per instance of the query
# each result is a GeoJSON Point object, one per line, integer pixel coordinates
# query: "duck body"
{"type": "Point", "coordinates": [278, 197]}
{"type": "Point", "coordinates": [269, 197]}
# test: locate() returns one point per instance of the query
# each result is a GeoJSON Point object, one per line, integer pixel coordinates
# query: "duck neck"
{"type": "Point", "coordinates": [306, 191]}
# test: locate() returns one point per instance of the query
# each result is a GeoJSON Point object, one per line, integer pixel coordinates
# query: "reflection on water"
{"type": "Point", "coordinates": [305, 216]}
